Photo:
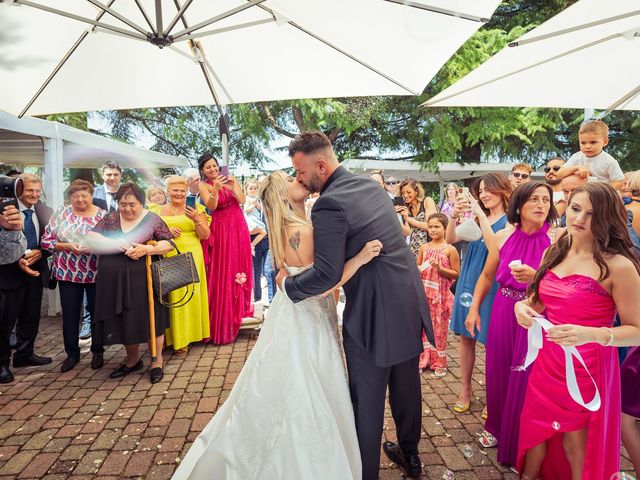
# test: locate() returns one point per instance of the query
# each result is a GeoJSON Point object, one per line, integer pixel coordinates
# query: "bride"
{"type": "Point", "coordinates": [289, 414]}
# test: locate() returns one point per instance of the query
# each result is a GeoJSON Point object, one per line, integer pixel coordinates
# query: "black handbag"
{"type": "Point", "coordinates": [172, 273]}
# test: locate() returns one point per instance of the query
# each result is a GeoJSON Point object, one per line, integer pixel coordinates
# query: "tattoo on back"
{"type": "Point", "coordinates": [294, 240]}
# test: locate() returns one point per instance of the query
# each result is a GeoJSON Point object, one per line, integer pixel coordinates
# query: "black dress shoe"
{"type": "Point", "coordinates": [5, 375]}
{"type": "Point", "coordinates": [97, 361]}
{"type": "Point", "coordinates": [123, 370]}
{"type": "Point", "coordinates": [68, 364]}
{"type": "Point", "coordinates": [156, 374]}
{"type": "Point", "coordinates": [32, 361]}
{"type": "Point", "coordinates": [409, 464]}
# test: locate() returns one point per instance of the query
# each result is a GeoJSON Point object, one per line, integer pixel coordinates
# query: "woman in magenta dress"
{"type": "Point", "coordinates": [227, 252]}
{"type": "Point", "coordinates": [584, 278]}
{"type": "Point", "coordinates": [513, 258]}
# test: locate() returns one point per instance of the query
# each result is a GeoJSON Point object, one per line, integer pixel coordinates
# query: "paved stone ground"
{"type": "Point", "coordinates": [82, 425]}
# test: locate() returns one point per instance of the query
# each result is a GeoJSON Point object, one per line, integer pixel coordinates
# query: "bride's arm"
{"type": "Point", "coordinates": [369, 251]}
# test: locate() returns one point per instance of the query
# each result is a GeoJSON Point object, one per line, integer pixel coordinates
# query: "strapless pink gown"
{"type": "Point", "coordinates": [548, 409]}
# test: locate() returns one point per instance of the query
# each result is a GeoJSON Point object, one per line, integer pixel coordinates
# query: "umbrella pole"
{"type": "Point", "coordinates": [152, 312]}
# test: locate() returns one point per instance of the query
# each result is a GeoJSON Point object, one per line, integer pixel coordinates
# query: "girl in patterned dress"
{"type": "Point", "coordinates": [439, 265]}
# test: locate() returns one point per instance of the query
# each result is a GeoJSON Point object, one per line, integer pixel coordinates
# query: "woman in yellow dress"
{"type": "Point", "coordinates": [189, 224]}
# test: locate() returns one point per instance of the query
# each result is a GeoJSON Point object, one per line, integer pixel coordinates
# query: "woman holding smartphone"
{"type": "Point", "coordinates": [227, 252]}
{"type": "Point", "coordinates": [189, 226]}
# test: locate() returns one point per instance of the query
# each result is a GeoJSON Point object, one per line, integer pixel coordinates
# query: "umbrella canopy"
{"type": "Point", "coordinates": [66, 55]}
{"type": "Point", "coordinates": [582, 57]}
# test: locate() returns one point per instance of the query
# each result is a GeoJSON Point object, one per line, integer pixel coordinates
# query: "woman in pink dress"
{"type": "Point", "coordinates": [227, 252]}
{"type": "Point", "coordinates": [574, 432]}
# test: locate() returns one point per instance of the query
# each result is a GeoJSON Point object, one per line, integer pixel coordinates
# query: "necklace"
{"type": "Point", "coordinates": [176, 210]}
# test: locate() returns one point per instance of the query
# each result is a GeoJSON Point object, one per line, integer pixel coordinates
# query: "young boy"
{"type": "Point", "coordinates": [591, 160]}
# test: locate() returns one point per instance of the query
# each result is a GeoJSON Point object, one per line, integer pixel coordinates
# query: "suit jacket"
{"type": "Point", "coordinates": [99, 193]}
{"type": "Point", "coordinates": [386, 306]}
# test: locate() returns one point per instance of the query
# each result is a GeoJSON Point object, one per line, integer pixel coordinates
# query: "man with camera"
{"type": "Point", "coordinates": [14, 267]}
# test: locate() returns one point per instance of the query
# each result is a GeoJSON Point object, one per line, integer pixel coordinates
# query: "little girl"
{"type": "Point", "coordinates": [439, 265]}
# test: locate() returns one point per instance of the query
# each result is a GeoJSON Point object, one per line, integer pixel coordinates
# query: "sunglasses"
{"type": "Point", "coordinates": [393, 182]}
{"type": "Point", "coordinates": [555, 168]}
{"type": "Point", "coordinates": [524, 176]}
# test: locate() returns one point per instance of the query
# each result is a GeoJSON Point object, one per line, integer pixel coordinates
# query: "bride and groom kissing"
{"type": "Point", "coordinates": [292, 412]}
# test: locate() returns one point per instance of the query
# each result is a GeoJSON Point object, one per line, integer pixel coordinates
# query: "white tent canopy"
{"type": "Point", "coordinates": [586, 56]}
{"type": "Point", "coordinates": [447, 172]}
{"type": "Point", "coordinates": [34, 142]}
{"type": "Point", "coordinates": [256, 50]}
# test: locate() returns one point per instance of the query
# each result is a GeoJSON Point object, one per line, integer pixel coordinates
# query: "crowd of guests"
{"type": "Point", "coordinates": [493, 258]}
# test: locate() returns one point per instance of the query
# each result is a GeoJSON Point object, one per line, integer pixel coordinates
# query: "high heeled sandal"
{"type": "Point", "coordinates": [487, 440]}
{"type": "Point", "coordinates": [460, 407]}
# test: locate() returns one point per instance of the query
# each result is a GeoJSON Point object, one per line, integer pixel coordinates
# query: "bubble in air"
{"type": "Point", "coordinates": [466, 299]}
{"type": "Point", "coordinates": [556, 426]}
{"type": "Point", "coordinates": [467, 451]}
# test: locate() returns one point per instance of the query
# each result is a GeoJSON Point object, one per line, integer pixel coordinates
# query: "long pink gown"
{"type": "Point", "coordinates": [228, 264]}
{"type": "Point", "coordinates": [548, 409]}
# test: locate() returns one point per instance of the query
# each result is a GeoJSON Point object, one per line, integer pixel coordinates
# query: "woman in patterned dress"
{"type": "Point", "coordinates": [415, 213]}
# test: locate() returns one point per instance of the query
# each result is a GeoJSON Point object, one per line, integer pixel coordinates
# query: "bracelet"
{"type": "Point", "coordinates": [148, 249]}
{"type": "Point", "coordinates": [197, 224]}
{"type": "Point", "coordinates": [609, 342]}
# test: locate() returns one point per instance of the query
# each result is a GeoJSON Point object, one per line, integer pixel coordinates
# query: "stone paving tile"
{"type": "Point", "coordinates": [83, 425]}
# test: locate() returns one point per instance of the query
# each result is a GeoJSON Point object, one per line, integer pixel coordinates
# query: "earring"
{"type": "Point", "coordinates": [517, 211]}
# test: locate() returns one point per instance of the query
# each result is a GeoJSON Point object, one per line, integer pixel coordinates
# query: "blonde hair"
{"type": "Point", "coordinates": [176, 179]}
{"type": "Point", "coordinates": [279, 213]}
{"type": "Point", "coordinates": [522, 166]}
{"type": "Point", "coordinates": [154, 189]}
{"type": "Point", "coordinates": [633, 183]}
{"type": "Point", "coordinates": [597, 127]}
{"type": "Point", "coordinates": [250, 182]}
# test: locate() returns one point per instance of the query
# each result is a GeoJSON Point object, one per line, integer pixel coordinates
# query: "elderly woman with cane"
{"type": "Point", "coordinates": [122, 284]}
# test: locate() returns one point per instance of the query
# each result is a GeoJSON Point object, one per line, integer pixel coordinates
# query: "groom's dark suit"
{"type": "Point", "coordinates": [385, 312]}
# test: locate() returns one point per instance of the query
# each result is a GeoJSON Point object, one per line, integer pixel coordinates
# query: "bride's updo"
{"type": "Point", "coordinates": [279, 213]}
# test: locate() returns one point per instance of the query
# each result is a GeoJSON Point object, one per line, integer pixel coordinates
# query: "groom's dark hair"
{"type": "Point", "coordinates": [309, 142]}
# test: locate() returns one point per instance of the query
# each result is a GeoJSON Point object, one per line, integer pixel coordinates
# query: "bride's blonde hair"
{"type": "Point", "coordinates": [279, 213]}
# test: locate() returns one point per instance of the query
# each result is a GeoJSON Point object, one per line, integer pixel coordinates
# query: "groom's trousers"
{"type": "Point", "coordinates": [368, 387]}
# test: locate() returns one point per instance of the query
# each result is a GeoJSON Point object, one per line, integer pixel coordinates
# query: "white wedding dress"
{"type": "Point", "coordinates": [289, 415]}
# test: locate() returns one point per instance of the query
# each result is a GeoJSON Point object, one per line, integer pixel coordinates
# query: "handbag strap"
{"type": "Point", "coordinates": [182, 302]}
{"type": "Point", "coordinates": [170, 240]}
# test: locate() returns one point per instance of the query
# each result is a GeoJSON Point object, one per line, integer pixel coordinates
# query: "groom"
{"type": "Point", "coordinates": [386, 306]}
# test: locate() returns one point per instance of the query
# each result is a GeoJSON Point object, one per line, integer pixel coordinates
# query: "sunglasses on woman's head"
{"type": "Point", "coordinates": [524, 176]}
{"type": "Point", "coordinates": [555, 168]}
{"type": "Point", "coordinates": [393, 182]}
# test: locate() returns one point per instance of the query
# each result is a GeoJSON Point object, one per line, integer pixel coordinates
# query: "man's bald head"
{"type": "Point", "coordinates": [570, 183]}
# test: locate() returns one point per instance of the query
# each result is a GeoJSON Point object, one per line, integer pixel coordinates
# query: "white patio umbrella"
{"type": "Point", "coordinates": [586, 56]}
{"type": "Point", "coordinates": [72, 55]}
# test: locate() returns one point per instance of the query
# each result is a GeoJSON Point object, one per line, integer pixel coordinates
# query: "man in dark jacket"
{"type": "Point", "coordinates": [386, 309]}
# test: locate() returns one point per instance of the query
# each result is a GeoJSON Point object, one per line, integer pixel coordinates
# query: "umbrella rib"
{"type": "Point", "coordinates": [120, 17]}
{"type": "Point", "coordinates": [193, 36]}
{"type": "Point", "coordinates": [178, 16]}
{"type": "Point", "coordinates": [629, 96]}
{"type": "Point", "coordinates": [442, 11]}
{"type": "Point", "coordinates": [429, 103]}
{"type": "Point", "coordinates": [146, 17]}
{"type": "Point", "coordinates": [575, 28]}
{"type": "Point", "coordinates": [160, 28]}
{"type": "Point", "coordinates": [79, 18]}
{"type": "Point", "coordinates": [73, 48]}
{"type": "Point", "coordinates": [217, 18]}
{"type": "Point", "coordinates": [343, 52]}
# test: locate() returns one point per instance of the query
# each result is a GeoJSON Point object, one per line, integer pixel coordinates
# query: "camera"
{"type": "Point", "coordinates": [10, 190]}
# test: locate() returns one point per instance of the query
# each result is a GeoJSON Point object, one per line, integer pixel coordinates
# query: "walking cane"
{"type": "Point", "coordinates": [152, 312]}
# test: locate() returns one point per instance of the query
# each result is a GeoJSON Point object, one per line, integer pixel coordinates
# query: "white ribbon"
{"type": "Point", "coordinates": [534, 339]}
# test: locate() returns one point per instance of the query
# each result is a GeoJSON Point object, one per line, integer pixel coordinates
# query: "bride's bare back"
{"type": "Point", "coordinates": [298, 250]}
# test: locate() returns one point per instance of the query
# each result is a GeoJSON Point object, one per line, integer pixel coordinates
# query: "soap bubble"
{"type": "Point", "coordinates": [621, 476]}
{"type": "Point", "coordinates": [447, 475]}
{"type": "Point", "coordinates": [466, 299]}
{"type": "Point", "coordinates": [467, 450]}
{"type": "Point", "coordinates": [555, 425]}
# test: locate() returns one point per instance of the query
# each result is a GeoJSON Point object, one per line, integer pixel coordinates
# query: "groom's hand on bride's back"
{"type": "Point", "coordinates": [370, 250]}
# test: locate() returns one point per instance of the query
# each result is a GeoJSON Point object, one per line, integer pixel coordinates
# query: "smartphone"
{"type": "Point", "coordinates": [398, 202]}
{"type": "Point", "coordinates": [191, 202]}
{"type": "Point", "coordinates": [224, 170]}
